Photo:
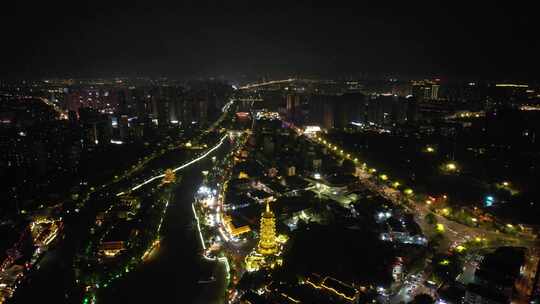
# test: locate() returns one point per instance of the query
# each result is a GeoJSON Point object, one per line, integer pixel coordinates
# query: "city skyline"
{"type": "Point", "coordinates": [278, 152]}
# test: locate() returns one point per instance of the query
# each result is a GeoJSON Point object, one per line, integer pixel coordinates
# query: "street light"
{"type": "Point", "coordinates": [439, 227]}
{"type": "Point", "coordinates": [430, 149]}
{"type": "Point", "coordinates": [451, 166]}
{"type": "Point", "coordinates": [460, 248]}
{"type": "Point", "coordinates": [445, 211]}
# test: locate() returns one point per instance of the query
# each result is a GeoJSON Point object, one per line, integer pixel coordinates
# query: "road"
{"type": "Point", "coordinates": [413, 285]}
{"type": "Point", "coordinates": [455, 233]}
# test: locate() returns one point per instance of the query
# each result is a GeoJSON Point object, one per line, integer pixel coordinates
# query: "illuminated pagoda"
{"type": "Point", "coordinates": [267, 242]}
{"type": "Point", "coordinates": [267, 254]}
{"type": "Point", "coordinates": [169, 177]}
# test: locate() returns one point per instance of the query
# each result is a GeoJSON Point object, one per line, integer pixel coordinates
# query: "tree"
{"type": "Point", "coordinates": [423, 299]}
{"type": "Point", "coordinates": [435, 241]}
{"type": "Point", "coordinates": [431, 219]}
{"type": "Point", "coordinates": [348, 167]}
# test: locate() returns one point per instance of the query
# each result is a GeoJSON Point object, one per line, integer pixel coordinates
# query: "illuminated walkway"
{"type": "Point", "coordinates": [180, 167]}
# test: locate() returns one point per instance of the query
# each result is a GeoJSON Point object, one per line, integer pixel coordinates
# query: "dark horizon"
{"type": "Point", "coordinates": [97, 39]}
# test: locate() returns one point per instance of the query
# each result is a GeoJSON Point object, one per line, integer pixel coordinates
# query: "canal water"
{"type": "Point", "coordinates": [173, 274]}
{"type": "Point", "coordinates": [176, 273]}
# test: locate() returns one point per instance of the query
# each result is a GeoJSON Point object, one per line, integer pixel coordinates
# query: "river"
{"type": "Point", "coordinates": [172, 275]}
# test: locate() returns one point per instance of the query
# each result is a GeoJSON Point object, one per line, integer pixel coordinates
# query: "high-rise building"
{"type": "Point", "coordinates": [137, 99]}
{"type": "Point", "coordinates": [293, 107]}
{"type": "Point", "coordinates": [73, 101]}
{"type": "Point", "coordinates": [327, 115]}
{"type": "Point", "coordinates": [123, 126]}
{"type": "Point", "coordinates": [96, 127]}
{"type": "Point", "coordinates": [336, 111]}
{"type": "Point", "coordinates": [435, 91]}
{"type": "Point", "coordinates": [172, 104]}
{"type": "Point", "coordinates": [418, 91]}
{"type": "Point", "coordinates": [425, 90]}
{"type": "Point", "coordinates": [202, 110]}
{"type": "Point", "coordinates": [384, 110]}
{"type": "Point", "coordinates": [163, 112]}
{"type": "Point", "coordinates": [412, 110]}
{"type": "Point", "coordinates": [122, 102]}
{"type": "Point", "coordinates": [321, 111]}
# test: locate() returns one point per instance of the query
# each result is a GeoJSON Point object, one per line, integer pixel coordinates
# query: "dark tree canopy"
{"type": "Point", "coordinates": [423, 299]}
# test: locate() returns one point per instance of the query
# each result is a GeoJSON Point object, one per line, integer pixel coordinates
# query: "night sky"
{"type": "Point", "coordinates": [273, 38]}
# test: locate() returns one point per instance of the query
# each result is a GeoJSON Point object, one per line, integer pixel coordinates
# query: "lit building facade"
{"type": "Point", "coordinates": [169, 177]}
{"type": "Point", "coordinates": [267, 242]}
{"type": "Point", "coordinates": [267, 254]}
